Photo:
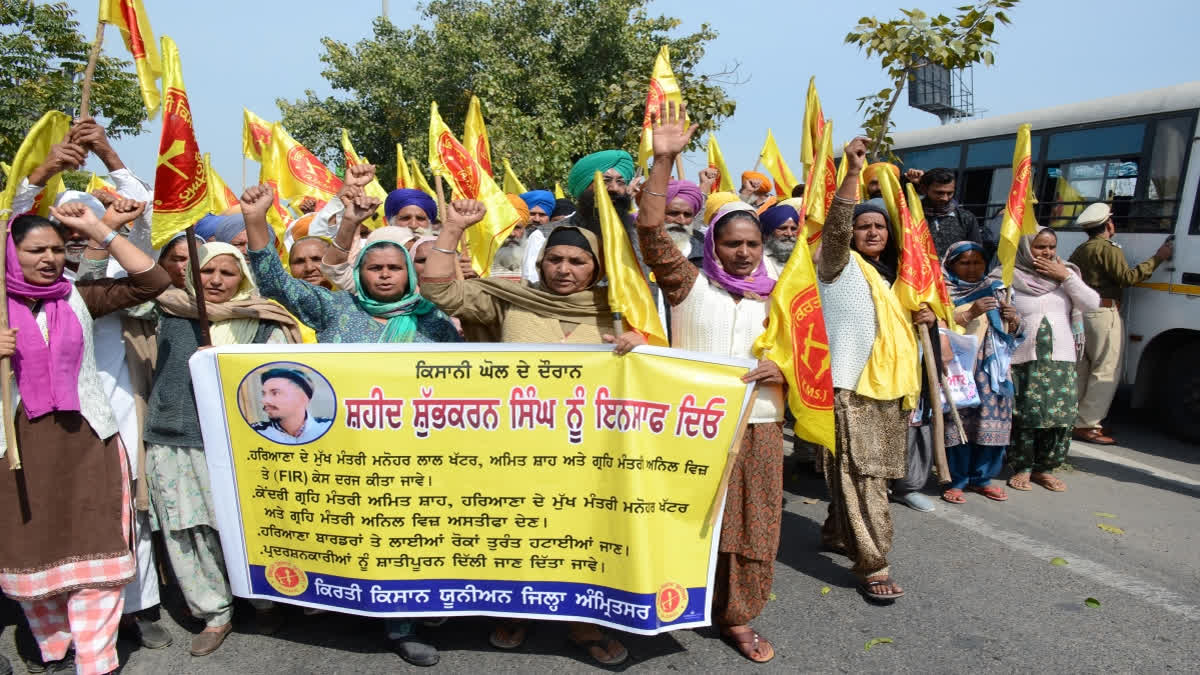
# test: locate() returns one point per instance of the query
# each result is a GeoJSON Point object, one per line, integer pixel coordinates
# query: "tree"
{"type": "Point", "coordinates": [42, 58]}
{"type": "Point", "coordinates": [557, 79]}
{"type": "Point", "coordinates": [916, 40]}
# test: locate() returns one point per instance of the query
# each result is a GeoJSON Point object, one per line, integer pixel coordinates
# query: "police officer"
{"type": "Point", "coordinates": [1103, 267]}
{"type": "Point", "coordinates": [286, 393]}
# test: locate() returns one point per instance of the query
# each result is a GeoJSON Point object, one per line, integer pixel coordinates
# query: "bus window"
{"type": "Point", "coordinates": [999, 152]}
{"type": "Point", "coordinates": [932, 158]}
{"type": "Point", "coordinates": [1124, 139]}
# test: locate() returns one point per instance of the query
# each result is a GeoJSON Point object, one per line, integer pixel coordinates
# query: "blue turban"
{"type": "Point", "coordinates": [220, 228]}
{"type": "Point", "coordinates": [543, 199]}
{"type": "Point", "coordinates": [773, 218]}
{"type": "Point", "coordinates": [206, 227]}
{"type": "Point", "coordinates": [398, 199]}
{"type": "Point", "coordinates": [584, 171]}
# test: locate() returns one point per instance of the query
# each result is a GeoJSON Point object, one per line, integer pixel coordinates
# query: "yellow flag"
{"type": "Point", "coordinates": [256, 134]}
{"type": "Point", "coordinates": [716, 160]}
{"type": "Point", "coordinates": [373, 188]}
{"type": "Point", "coordinates": [475, 137]}
{"type": "Point", "coordinates": [512, 184]}
{"type": "Point", "coordinates": [919, 277]}
{"type": "Point", "coordinates": [97, 183]}
{"type": "Point", "coordinates": [628, 292]}
{"type": "Point", "coordinates": [404, 177]}
{"type": "Point", "coordinates": [822, 185]}
{"type": "Point", "coordinates": [450, 160]}
{"type": "Point", "coordinates": [796, 340]}
{"type": "Point", "coordinates": [181, 194]}
{"type": "Point", "coordinates": [1019, 218]}
{"type": "Point", "coordinates": [418, 179]}
{"type": "Point", "coordinates": [814, 123]}
{"type": "Point", "coordinates": [558, 191]}
{"type": "Point", "coordinates": [843, 167]}
{"type": "Point", "coordinates": [223, 198]}
{"type": "Point", "coordinates": [771, 158]}
{"type": "Point", "coordinates": [52, 128]}
{"type": "Point", "coordinates": [296, 171]}
{"type": "Point", "coordinates": [663, 87]}
{"type": "Point", "coordinates": [130, 17]}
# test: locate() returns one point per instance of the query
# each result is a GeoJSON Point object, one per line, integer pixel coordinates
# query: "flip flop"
{"type": "Point", "coordinates": [954, 496]}
{"type": "Point", "coordinates": [865, 587]}
{"type": "Point", "coordinates": [749, 643]}
{"type": "Point", "coordinates": [1023, 485]}
{"type": "Point", "coordinates": [516, 632]}
{"type": "Point", "coordinates": [992, 492]}
{"type": "Point", "coordinates": [604, 644]}
{"type": "Point", "coordinates": [1048, 481]}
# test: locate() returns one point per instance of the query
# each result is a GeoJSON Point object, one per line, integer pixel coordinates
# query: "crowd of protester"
{"type": "Point", "coordinates": [102, 327]}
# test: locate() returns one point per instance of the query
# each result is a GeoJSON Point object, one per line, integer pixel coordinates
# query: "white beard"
{"type": "Point", "coordinates": [682, 238]}
{"type": "Point", "coordinates": [509, 257]}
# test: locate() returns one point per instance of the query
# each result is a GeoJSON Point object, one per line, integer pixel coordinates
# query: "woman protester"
{"type": "Point", "coordinates": [383, 306]}
{"type": "Point", "coordinates": [66, 549]}
{"type": "Point", "coordinates": [873, 359]}
{"type": "Point", "coordinates": [177, 472]}
{"type": "Point", "coordinates": [1051, 298]}
{"type": "Point", "coordinates": [982, 311]}
{"type": "Point", "coordinates": [564, 306]}
{"type": "Point", "coordinates": [722, 308]}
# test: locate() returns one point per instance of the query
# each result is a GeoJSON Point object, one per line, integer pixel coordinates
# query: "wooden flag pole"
{"type": "Point", "coordinates": [441, 196]}
{"type": "Point", "coordinates": [194, 264]}
{"type": "Point", "coordinates": [10, 432]}
{"type": "Point", "coordinates": [734, 449]}
{"type": "Point", "coordinates": [935, 405]}
{"type": "Point", "coordinates": [618, 324]}
{"type": "Point", "coordinates": [85, 99]}
{"type": "Point", "coordinates": [679, 167]}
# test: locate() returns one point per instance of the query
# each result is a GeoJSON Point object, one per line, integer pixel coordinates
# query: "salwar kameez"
{"type": "Point", "coordinates": [1044, 414]}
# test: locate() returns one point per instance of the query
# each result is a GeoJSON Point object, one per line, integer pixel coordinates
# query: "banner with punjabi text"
{"type": "Point", "coordinates": [534, 481]}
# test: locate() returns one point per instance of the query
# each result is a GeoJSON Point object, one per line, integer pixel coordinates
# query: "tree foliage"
{"type": "Point", "coordinates": [557, 79]}
{"type": "Point", "coordinates": [42, 58]}
{"type": "Point", "coordinates": [905, 44]}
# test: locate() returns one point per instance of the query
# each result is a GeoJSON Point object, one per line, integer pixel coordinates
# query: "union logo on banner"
{"type": "Point", "coordinates": [180, 179]}
{"type": "Point", "coordinates": [307, 169]}
{"type": "Point", "coordinates": [916, 269]}
{"type": "Point", "coordinates": [810, 351]}
{"type": "Point", "coordinates": [463, 170]}
{"type": "Point", "coordinates": [1020, 187]}
{"type": "Point", "coordinates": [654, 99]}
{"type": "Point", "coordinates": [484, 154]}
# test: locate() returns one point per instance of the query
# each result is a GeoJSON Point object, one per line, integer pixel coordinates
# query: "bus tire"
{"type": "Point", "coordinates": [1182, 399]}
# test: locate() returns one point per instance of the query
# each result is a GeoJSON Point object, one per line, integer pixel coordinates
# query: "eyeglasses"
{"type": "Point", "coordinates": [614, 180]}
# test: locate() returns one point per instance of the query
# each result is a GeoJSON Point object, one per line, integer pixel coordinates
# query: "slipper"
{"type": "Point", "coordinates": [509, 634]}
{"type": "Point", "coordinates": [605, 645]}
{"type": "Point", "coordinates": [954, 496]}
{"type": "Point", "coordinates": [992, 492]}
{"type": "Point", "coordinates": [865, 587]}
{"type": "Point", "coordinates": [749, 643]}
{"type": "Point", "coordinates": [1020, 481]}
{"type": "Point", "coordinates": [1048, 481]}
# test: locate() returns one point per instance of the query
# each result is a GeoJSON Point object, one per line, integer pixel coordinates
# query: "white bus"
{"type": "Point", "coordinates": [1137, 152]}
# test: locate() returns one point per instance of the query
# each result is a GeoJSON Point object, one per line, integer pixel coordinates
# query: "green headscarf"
{"type": "Point", "coordinates": [401, 314]}
{"type": "Point", "coordinates": [585, 169]}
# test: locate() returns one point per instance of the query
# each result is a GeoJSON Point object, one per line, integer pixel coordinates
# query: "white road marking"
{"type": "Point", "coordinates": [1102, 574]}
{"type": "Point", "coordinates": [1091, 452]}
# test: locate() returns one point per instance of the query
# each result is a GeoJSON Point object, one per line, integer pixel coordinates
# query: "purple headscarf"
{"type": "Point", "coordinates": [759, 283]}
{"type": "Point", "coordinates": [48, 379]}
{"type": "Point", "coordinates": [687, 191]}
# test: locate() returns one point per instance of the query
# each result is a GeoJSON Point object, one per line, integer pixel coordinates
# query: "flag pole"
{"type": "Point", "coordinates": [89, 73]}
{"type": "Point", "coordinates": [679, 167]}
{"type": "Point", "coordinates": [194, 264]}
{"type": "Point", "coordinates": [441, 195]}
{"type": "Point", "coordinates": [10, 432]}
{"type": "Point", "coordinates": [935, 406]}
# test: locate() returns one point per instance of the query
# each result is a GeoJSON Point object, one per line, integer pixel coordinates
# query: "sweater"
{"type": "Point", "coordinates": [1056, 307]}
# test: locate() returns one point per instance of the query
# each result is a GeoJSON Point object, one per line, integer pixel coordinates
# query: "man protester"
{"type": "Point", "coordinates": [780, 227]}
{"type": "Point", "coordinates": [756, 187]}
{"type": "Point", "coordinates": [506, 264]}
{"type": "Point", "coordinates": [950, 223]}
{"type": "Point", "coordinates": [286, 393]}
{"type": "Point", "coordinates": [1102, 266]}
{"type": "Point", "coordinates": [685, 201]}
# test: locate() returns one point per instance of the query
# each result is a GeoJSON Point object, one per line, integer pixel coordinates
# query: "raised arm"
{"type": "Point", "coordinates": [357, 206]}
{"type": "Point", "coordinates": [839, 222]}
{"type": "Point", "coordinates": [672, 271]}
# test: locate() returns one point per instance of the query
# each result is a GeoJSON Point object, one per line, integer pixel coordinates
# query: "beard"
{"type": "Point", "coordinates": [587, 215]}
{"type": "Point", "coordinates": [510, 255]}
{"type": "Point", "coordinates": [682, 236]}
{"type": "Point", "coordinates": [781, 249]}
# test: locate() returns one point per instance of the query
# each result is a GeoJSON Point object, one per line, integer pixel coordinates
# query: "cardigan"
{"type": "Point", "coordinates": [1056, 307]}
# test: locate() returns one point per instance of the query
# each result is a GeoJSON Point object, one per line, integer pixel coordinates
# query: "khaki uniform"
{"type": "Point", "coordinates": [1103, 267]}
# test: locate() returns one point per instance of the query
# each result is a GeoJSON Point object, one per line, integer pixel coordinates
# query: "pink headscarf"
{"type": "Point", "coordinates": [759, 283]}
{"type": "Point", "coordinates": [47, 373]}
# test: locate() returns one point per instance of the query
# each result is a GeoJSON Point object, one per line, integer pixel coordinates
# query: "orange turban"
{"type": "Point", "coordinates": [872, 171]}
{"type": "Point", "coordinates": [300, 227]}
{"type": "Point", "coordinates": [764, 183]}
{"type": "Point", "coordinates": [521, 207]}
{"type": "Point", "coordinates": [767, 204]}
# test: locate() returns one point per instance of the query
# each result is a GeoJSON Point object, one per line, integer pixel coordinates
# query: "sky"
{"type": "Point", "coordinates": [239, 53]}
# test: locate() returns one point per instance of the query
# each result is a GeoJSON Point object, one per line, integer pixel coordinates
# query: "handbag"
{"type": "Point", "coordinates": [960, 372]}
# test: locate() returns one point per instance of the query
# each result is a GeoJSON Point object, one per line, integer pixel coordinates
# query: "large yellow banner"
{"type": "Point", "coordinates": [539, 481]}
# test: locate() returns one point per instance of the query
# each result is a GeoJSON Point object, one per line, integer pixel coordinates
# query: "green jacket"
{"type": "Point", "coordinates": [1103, 267]}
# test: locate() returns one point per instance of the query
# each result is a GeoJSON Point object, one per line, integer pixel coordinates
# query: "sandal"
{"type": "Point", "coordinates": [992, 492]}
{"type": "Point", "coordinates": [1049, 481]}
{"type": "Point", "coordinates": [954, 496]}
{"type": "Point", "coordinates": [509, 634]}
{"type": "Point", "coordinates": [865, 587]}
{"type": "Point", "coordinates": [749, 643]}
{"type": "Point", "coordinates": [1020, 481]}
{"type": "Point", "coordinates": [601, 648]}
